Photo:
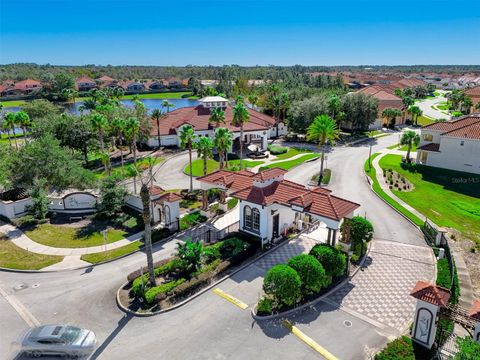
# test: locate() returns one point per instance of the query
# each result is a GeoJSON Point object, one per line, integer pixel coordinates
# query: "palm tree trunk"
{"type": "Point", "coordinates": [9, 138]}
{"type": "Point", "coordinates": [226, 159]}
{"type": "Point", "coordinates": [241, 147]}
{"type": "Point", "coordinates": [220, 156]}
{"type": "Point", "coordinates": [158, 132]}
{"type": "Point", "coordinates": [191, 170]}
{"type": "Point", "coordinates": [408, 151]}
{"type": "Point", "coordinates": [24, 128]}
{"type": "Point", "coordinates": [145, 196]}
{"type": "Point", "coordinates": [134, 147]}
{"type": "Point", "coordinates": [15, 137]}
{"type": "Point", "coordinates": [320, 177]}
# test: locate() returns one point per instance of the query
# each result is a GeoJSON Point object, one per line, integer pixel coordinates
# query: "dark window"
{"type": "Point", "coordinates": [247, 217]}
{"type": "Point", "coordinates": [256, 219]}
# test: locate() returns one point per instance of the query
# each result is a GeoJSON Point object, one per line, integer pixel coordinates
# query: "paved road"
{"type": "Point", "coordinates": [210, 327]}
{"type": "Point", "coordinates": [428, 111]}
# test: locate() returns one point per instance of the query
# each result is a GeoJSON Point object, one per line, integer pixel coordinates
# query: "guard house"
{"type": "Point", "coordinates": [269, 205]}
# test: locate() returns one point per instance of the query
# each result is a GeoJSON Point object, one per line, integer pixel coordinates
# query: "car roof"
{"type": "Point", "coordinates": [47, 331]}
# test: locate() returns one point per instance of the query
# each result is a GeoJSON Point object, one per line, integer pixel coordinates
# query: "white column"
{"type": "Point", "coordinates": [425, 323]}
{"type": "Point", "coordinates": [264, 142]}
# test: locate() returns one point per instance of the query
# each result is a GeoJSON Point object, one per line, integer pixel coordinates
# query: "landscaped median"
{"type": "Point", "coordinates": [287, 165]}
{"type": "Point", "coordinates": [194, 267]}
{"type": "Point", "coordinates": [213, 165]}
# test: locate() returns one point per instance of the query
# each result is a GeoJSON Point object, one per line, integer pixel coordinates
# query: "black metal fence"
{"type": "Point", "coordinates": [207, 233]}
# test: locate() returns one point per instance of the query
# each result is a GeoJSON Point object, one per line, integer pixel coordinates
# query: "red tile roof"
{"type": "Point", "coordinates": [318, 201]}
{"type": "Point", "coordinates": [473, 91]}
{"type": "Point", "coordinates": [168, 197]}
{"type": "Point", "coordinates": [85, 79]}
{"type": "Point", "coordinates": [467, 127]}
{"type": "Point", "coordinates": [269, 174]}
{"type": "Point", "coordinates": [430, 293]}
{"type": "Point", "coordinates": [105, 78]}
{"type": "Point", "coordinates": [475, 310]}
{"type": "Point", "coordinates": [198, 116]}
{"type": "Point", "coordinates": [430, 147]}
{"type": "Point", "coordinates": [155, 190]}
{"type": "Point", "coordinates": [26, 84]}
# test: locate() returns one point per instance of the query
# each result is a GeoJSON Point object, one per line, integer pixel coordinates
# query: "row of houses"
{"type": "Point", "coordinates": [24, 87]}
{"type": "Point", "coordinates": [85, 83]}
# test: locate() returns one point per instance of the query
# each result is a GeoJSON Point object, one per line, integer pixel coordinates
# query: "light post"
{"type": "Point", "coordinates": [104, 233]}
{"type": "Point", "coordinates": [349, 259]}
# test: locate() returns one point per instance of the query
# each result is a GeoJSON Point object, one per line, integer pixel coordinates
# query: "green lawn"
{"type": "Point", "coordinates": [370, 171]}
{"type": "Point", "coordinates": [405, 148]}
{"type": "Point", "coordinates": [212, 165]}
{"type": "Point", "coordinates": [293, 151]}
{"type": "Point", "coordinates": [287, 165]}
{"type": "Point", "coordinates": [95, 258]}
{"type": "Point", "coordinates": [448, 198]}
{"type": "Point", "coordinates": [12, 103]}
{"type": "Point", "coordinates": [13, 257]}
{"type": "Point", "coordinates": [69, 237]}
{"type": "Point", "coordinates": [424, 121]}
{"type": "Point", "coordinates": [128, 170]}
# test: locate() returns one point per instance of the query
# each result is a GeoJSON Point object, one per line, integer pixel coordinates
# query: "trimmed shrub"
{"type": "Point", "coordinates": [444, 278]}
{"type": "Point", "coordinates": [283, 284]}
{"type": "Point", "coordinates": [264, 306]}
{"type": "Point", "coordinates": [332, 260]}
{"type": "Point", "coordinates": [403, 348]}
{"type": "Point", "coordinates": [277, 150]}
{"type": "Point", "coordinates": [151, 293]}
{"type": "Point", "coordinates": [311, 272]}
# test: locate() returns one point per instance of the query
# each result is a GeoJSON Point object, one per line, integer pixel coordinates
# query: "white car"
{"type": "Point", "coordinates": [64, 340]}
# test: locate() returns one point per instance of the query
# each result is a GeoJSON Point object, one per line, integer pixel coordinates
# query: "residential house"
{"type": "Point", "coordinates": [134, 86]}
{"type": "Point", "coordinates": [257, 130]}
{"type": "Point", "coordinates": [386, 99]}
{"type": "Point", "coordinates": [85, 83]}
{"type": "Point", "coordinates": [174, 83]}
{"type": "Point", "coordinates": [27, 86]}
{"type": "Point", "coordinates": [270, 205]}
{"type": "Point", "coordinates": [156, 85]}
{"type": "Point", "coordinates": [453, 145]}
{"type": "Point", "coordinates": [474, 94]}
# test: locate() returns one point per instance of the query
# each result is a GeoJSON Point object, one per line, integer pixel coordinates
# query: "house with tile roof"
{"type": "Point", "coordinates": [386, 99]}
{"type": "Point", "coordinates": [474, 94]}
{"type": "Point", "coordinates": [453, 145]}
{"type": "Point", "coordinates": [269, 204]}
{"type": "Point", "coordinates": [85, 83]}
{"type": "Point", "coordinates": [257, 130]}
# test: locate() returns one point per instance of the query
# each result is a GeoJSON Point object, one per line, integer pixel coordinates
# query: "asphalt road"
{"type": "Point", "coordinates": [208, 327]}
{"type": "Point", "coordinates": [428, 111]}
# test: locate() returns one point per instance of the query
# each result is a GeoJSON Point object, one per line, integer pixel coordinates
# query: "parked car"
{"type": "Point", "coordinates": [63, 340]}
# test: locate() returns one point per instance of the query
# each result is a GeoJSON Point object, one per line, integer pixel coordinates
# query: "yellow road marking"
{"type": "Point", "coordinates": [309, 341]}
{"type": "Point", "coordinates": [230, 298]}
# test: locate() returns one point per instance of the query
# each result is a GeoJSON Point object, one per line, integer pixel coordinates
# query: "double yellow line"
{"type": "Point", "coordinates": [309, 341]}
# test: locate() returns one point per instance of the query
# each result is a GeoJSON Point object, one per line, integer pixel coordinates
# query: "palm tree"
{"type": "Point", "coordinates": [89, 104]}
{"type": "Point", "coordinates": [187, 141]}
{"type": "Point", "coordinates": [105, 159]}
{"type": "Point", "coordinates": [217, 116]}
{"type": "Point", "coordinates": [166, 104]}
{"type": "Point", "coordinates": [132, 126]}
{"type": "Point", "coordinates": [118, 127]}
{"type": "Point", "coordinates": [204, 147]}
{"type": "Point", "coordinates": [409, 138]}
{"type": "Point", "coordinates": [407, 102]}
{"type": "Point", "coordinates": [145, 197]}
{"type": "Point", "coordinates": [157, 115]}
{"type": "Point", "coordinates": [9, 124]}
{"type": "Point", "coordinates": [415, 111]}
{"type": "Point", "coordinates": [253, 99]}
{"type": "Point", "coordinates": [334, 106]}
{"type": "Point", "coordinates": [466, 105]}
{"type": "Point", "coordinates": [370, 135]}
{"type": "Point", "coordinates": [69, 94]}
{"type": "Point", "coordinates": [390, 114]}
{"type": "Point", "coordinates": [323, 129]}
{"type": "Point", "coordinates": [118, 92]}
{"type": "Point", "coordinates": [22, 119]}
{"type": "Point", "coordinates": [223, 142]}
{"type": "Point", "coordinates": [239, 118]}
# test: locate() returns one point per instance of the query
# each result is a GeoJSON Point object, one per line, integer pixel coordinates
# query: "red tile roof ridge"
{"type": "Point", "coordinates": [269, 173]}
{"type": "Point", "coordinates": [475, 310]}
{"type": "Point", "coordinates": [431, 293]}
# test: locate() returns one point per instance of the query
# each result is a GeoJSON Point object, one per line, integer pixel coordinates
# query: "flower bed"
{"type": "Point", "coordinates": [302, 280]}
{"type": "Point", "coordinates": [193, 267]}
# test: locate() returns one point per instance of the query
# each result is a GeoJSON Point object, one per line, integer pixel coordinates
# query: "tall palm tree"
{"type": "Point", "coordinates": [187, 141]}
{"type": "Point", "coordinates": [323, 129]}
{"type": "Point", "coordinates": [167, 104]}
{"type": "Point", "coordinates": [239, 118]}
{"type": "Point", "coordinates": [415, 111]}
{"type": "Point", "coordinates": [118, 92]}
{"type": "Point", "coordinates": [147, 234]}
{"type": "Point", "coordinates": [22, 119]}
{"type": "Point", "coordinates": [223, 142]}
{"type": "Point", "coordinates": [132, 126]}
{"type": "Point", "coordinates": [407, 102]}
{"type": "Point", "coordinates": [409, 138]}
{"type": "Point", "coordinates": [390, 114]}
{"type": "Point", "coordinates": [253, 99]}
{"type": "Point", "coordinates": [217, 117]}
{"type": "Point", "coordinates": [9, 122]}
{"type": "Point", "coordinates": [334, 106]}
{"type": "Point", "coordinates": [467, 104]}
{"type": "Point", "coordinates": [204, 147]}
{"type": "Point", "coordinates": [157, 115]}
{"type": "Point", "coordinates": [89, 104]}
{"type": "Point", "coordinates": [118, 127]}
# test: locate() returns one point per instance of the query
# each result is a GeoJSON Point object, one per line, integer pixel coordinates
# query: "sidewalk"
{"type": "Point", "coordinates": [465, 282]}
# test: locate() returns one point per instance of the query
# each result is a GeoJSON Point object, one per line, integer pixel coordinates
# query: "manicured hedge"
{"type": "Point", "coordinates": [332, 260]}
{"type": "Point", "coordinates": [277, 150]}
{"type": "Point", "coordinates": [403, 348]}
{"type": "Point", "coordinates": [283, 284]}
{"type": "Point", "coordinates": [311, 272]}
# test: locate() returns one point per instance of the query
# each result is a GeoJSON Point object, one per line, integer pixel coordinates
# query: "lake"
{"type": "Point", "coordinates": [150, 104]}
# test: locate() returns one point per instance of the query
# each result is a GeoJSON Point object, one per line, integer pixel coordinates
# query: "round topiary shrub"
{"type": "Point", "coordinates": [311, 272]}
{"type": "Point", "coordinates": [283, 284]}
{"type": "Point", "coordinates": [332, 260]}
{"type": "Point", "coordinates": [264, 306]}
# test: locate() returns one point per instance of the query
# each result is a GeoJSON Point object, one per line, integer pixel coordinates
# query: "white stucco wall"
{"type": "Point", "coordinates": [421, 331]}
{"type": "Point", "coordinates": [263, 233]}
{"type": "Point", "coordinates": [80, 202]}
{"type": "Point", "coordinates": [455, 156]}
{"type": "Point", "coordinates": [286, 218]}
{"type": "Point", "coordinates": [13, 209]}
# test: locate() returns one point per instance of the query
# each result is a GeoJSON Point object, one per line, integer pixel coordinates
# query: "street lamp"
{"type": "Point", "coordinates": [349, 258]}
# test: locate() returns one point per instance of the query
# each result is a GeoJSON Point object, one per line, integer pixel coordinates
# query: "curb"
{"type": "Point", "coordinates": [176, 306]}
{"type": "Point", "coordinates": [313, 302]}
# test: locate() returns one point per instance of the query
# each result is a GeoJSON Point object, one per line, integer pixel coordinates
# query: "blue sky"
{"type": "Point", "coordinates": [213, 32]}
